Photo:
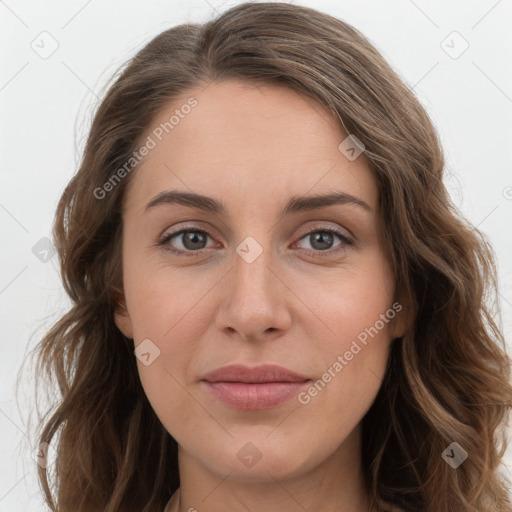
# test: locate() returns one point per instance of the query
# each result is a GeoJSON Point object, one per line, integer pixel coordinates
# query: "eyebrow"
{"type": "Point", "coordinates": [294, 205]}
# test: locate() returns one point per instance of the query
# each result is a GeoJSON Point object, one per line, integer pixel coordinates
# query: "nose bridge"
{"type": "Point", "coordinates": [253, 297]}
{"type": "Point", "coordinates": [251, 274]}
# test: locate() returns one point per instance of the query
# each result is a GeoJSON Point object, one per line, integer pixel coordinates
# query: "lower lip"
{"type": "Point", "coordinates": [255, 396]}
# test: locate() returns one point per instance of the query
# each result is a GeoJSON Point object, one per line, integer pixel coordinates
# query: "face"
{"type": "Point", "coordinates": [267, 277]}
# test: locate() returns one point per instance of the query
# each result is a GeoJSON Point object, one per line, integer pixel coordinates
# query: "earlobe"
{"type": "Point", "coordinates": [122, 317]}
{"type": "Point", "coordinates": [124, 323]}
{"type": "Point", "coordinates": [404, 318]}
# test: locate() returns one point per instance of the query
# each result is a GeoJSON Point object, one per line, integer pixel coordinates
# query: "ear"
{"type": "Point", "coordinates": [405, 314]}
{"type": "Point", "coordinates": [121, 316]}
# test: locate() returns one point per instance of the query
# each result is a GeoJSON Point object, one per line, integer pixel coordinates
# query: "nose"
{"type": "Point", "coordinates": [255, 302]}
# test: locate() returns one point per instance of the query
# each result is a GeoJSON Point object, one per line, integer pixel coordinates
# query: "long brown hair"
{"type": "Point", "coordinates": [448, 378]}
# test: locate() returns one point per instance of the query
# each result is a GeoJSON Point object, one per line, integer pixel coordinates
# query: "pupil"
{"type": "Point", "coordinates": [323, 238]}
{"type": "Point", "coordinates": [195, 240]}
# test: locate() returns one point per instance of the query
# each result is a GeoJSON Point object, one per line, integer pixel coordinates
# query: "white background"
{"type": "Point", "coordinates": [47, 104]}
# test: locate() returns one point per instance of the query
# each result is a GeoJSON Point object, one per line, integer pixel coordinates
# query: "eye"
{"type": "Point", "coordinates": [321, 240]}
{"type": "Point", "coordinates": [192, 241]}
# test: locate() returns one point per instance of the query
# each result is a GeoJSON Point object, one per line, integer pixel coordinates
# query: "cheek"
{"type": "Point", "coordinates": [159, 297]}
{"type": "Point", "coordinates": [349, 300]}
{"type": "Point", "coordinates": [167, 306]}
{"type": "Point", "coordinates": [351, 327]}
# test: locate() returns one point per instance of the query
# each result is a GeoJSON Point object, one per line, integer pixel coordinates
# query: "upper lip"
{"type": "Point", "coordinates": [262, 373]}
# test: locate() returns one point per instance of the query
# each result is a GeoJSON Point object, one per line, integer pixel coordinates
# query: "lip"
{"type": "Point", "coordinates": [260, 387]}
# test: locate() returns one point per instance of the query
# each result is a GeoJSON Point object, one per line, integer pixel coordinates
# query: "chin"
{"type": "Point", "coordinates": [260, 459]}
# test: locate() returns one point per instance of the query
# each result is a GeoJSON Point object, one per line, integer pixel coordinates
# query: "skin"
{"type": "Point", "coordinates": [296, 305]}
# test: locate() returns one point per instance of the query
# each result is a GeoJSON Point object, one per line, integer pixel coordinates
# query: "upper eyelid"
{"type": "Point", "coordinates": [198, 227]}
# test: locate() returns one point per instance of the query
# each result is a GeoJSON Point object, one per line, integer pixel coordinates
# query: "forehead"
{"type": "Point", "coordinates": [245, 143]}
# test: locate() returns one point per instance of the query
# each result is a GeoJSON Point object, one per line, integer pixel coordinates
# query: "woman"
{"type": "Point", "coordinates": [275, 304]}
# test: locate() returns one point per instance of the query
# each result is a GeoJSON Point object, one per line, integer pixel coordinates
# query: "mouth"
{"type": "Point", "coordinates": [256, 388]}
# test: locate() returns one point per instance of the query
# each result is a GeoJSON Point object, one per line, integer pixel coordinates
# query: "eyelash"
{"type": "Point", "coordinates": [164, 241]}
